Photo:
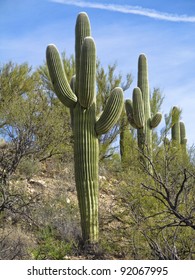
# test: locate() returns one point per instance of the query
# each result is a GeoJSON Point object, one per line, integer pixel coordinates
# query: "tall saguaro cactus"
{"type": "Point", "coordinates": [138, 110]}
{"type": "Point", "coordinates": [80, 97]}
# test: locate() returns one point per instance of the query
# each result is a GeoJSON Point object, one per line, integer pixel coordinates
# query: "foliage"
{"type": "Point", "coordinates": [159, 204]}
{"type": "Point", "coordinates": [50, 246]}
{"type": "Point", "coordinates": [156, 101]}
{"type": "Point", "coordinates": [30, 122]}
{"type": "Point", "coordinates": [28, 167]}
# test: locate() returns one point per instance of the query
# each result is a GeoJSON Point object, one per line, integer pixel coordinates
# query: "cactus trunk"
{"type": "Point", "coordinates": [145, 133]}
{"type": "Point", "coordinates": [86, 156]}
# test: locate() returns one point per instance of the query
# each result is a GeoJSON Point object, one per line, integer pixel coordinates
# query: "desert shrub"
{"type": "Point", "coordinates": [28, 167]}
{"type": "Point", "coordinates": [51, 246]}
{"type": "Point", "coordinates": [15, 243]}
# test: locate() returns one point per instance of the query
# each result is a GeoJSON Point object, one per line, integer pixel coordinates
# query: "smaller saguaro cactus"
{"type": "Point", "coordinates": [139, 112]}
{"type": "Point", "coordinates": [178, 131]}
{"type": "Point", "coordinates": [80, 97]}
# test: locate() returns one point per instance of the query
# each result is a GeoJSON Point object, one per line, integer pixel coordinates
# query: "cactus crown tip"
{"type": "Point", "coordinates": [83, 14]}
{"type": "Point", "coordinates": [142, 55]}
{"type": "Point", "coordinates": [142, 59]}
{"type": "Point", "coordinates": [89, 38]}
{"type": "Point", "coordinates": [175, 107]}
{"type": "Point", "coordinates": [51, 46]}
{"type": "Point", "coordinates": [118, 88]}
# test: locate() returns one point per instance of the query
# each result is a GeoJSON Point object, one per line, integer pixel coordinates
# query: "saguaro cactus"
{"type": "Point", "coordinates": [138, 110]}
{"type": "Point", "coordinates": [80, 97]}
{"type": "Point", "coordinates": [178, 131]}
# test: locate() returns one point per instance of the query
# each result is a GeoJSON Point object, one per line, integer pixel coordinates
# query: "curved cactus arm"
{"type": "Point", "coordinates": [58, 77]}
{"type": "Point", "coordinates": [138, 109]}
{"type": "Point", "coordinates": [156, 120]}
{"type": "Point", "coordinates": [111, 112]}
{"type": "Point", "coordinates": [87, 73]}
{"type": "Point", "coordinates": [129, 112]}
{"type": "Point", "coordinates": [82, 30]}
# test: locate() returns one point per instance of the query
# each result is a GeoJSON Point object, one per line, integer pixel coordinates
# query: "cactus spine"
{"type": "Point", "coordinates": [81, 100]}
{"type": "Point", "coordinates": [139, 112]}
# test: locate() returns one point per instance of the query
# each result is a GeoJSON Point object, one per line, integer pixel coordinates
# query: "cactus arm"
{"type": "Point", "coordinates": [87, 73]}
{"type": "Point", "coordinates": [175, 129]}
{"type": "Point", "coordinates": [138, 110]}
{"type": "Point", "coordinates": [82, 30]}
{"type": "Point", "coordinates": [129, 112]}
{"type": "Point", "coordinates": [58, 77]}
{"type": "Point", "coordinates": [111, 112]}
{"type": "Point", "coordinates": [175, 132]}
{"type": "Point", "coordinates": [156, 120]}
{"type": "Point", "coordinates": [183, 139]}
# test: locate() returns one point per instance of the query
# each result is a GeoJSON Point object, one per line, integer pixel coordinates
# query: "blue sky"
{"type": "Point", "coordinates": [163, 30]}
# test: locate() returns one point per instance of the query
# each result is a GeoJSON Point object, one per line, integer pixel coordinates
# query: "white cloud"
{"type": "Point", "coordinates": [126, 9]}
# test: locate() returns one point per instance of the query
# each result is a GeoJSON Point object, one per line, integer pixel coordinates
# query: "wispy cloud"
{"type": "Point", "coordinates": [126, 9]}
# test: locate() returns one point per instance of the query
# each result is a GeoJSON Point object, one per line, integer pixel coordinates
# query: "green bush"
{"type": "Point", "coordinates": [51, 246]}
{"type": "Point", "coordinates": [28, 167]}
